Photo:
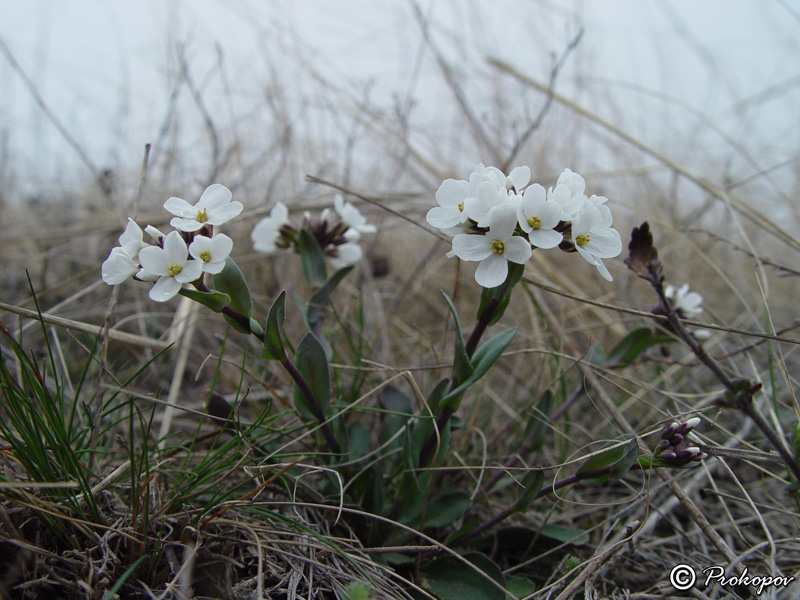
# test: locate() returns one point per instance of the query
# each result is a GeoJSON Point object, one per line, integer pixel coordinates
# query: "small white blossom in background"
{"type": "Point", "coordinates": [495, 248]}
{"type": "Point", "coordinates": [213, 208]}
{"type": "Point", "coordinates": [212, 252]}
{"type": "Point", "coordinates": [336, 232]}
{"type": "Point", "coordinates": [267, 231]}
{"type": "Point", "coordinates": [352, 217]}
{"type": "Point", "coordinates": [683, 300]}
{"type": "Point", "coordinates": [123, 262]}
{"type": "Point", "coordinates": [562, 216]}
{"type": "Point", "coordinates": [172, 266]}
{"type": "Point", "coordinates": [345, 255]}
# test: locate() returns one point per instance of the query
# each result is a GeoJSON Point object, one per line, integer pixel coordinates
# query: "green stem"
{"type": "Point", "coordinates": [426, 453]}
{"type": "Point", "coordinates": [313, 405]}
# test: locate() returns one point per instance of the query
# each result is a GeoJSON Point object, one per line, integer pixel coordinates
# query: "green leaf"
{"type": "Point", "coordinates": [462, 365]}
{"type": "Point", "coordinates": [392, 399]}
{"type": "Point", "coordinates": [424, 426]}
{"type": "Point", "coordinates": [470, 524]}
{"type": "Point", "coordinates": [564, 534]}
{"type": "Point", "coordinates": [452, 579]}
{"type": "Point", "coordinates": [633, 345]}
{"type": "Point", "coordinates": [230, 281]}
{"type": "Point", "coordinates": [357, 439]}
{"type": "Point", "coordinates": [502, 293]}
{"type": "Point", "coordinates": [446, 508]}
{"type": "Point", "coordinates": [255, 327]}
{"type": "Point", "coordinates": [532, 483]}
{"type": "Point", "coordinates": [538, 424]}
{"type": "Point", "coordinates": [214, 300]}
{"type": "Point", "coordinates": [273, 338]}
{"type": "Point", "coordinates": [321, 298]}
{"type": "Point", "coordinates": [313, 366]}
{"type": "Point", "coordinates": [519, 587]}
{"type": "Point", "coordinates": [617, 459]}
{"type": "Point", "coordinates": [236, 324]}
{"type": "Point", "coordinates": [483, 359]}
{"type": "Point", "coordinates": [313, 259]}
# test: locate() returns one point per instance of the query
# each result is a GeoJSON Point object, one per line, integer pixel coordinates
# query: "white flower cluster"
{"type": "Point", "coordinates": [337, 235]}
{"type": "Point", "coordinates": [685, 302]}
{"type": "Point", "coordinates": [167, 260]}
{"type": "Point", "coordinates": [496, 218]}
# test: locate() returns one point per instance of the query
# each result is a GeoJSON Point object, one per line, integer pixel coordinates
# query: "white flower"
{"type": "Point", "coordinates": [171, 266]}
{"type": "Point", "coordinates": [537, 216]}
{"type": "Point", "coordinates": [487, 197]}
{"type": "Point", "coordinates": [353, 218]}
{"type": "Point", "coordinates": [570, 205]}
{"type": "Point", "coordinates": [574, 182]}
{"type": "Point", "coordinates": [495, 248]}
{"type": "Point", "coordinates": [345, 255]}
{"type": "Point", "coordinates": [451, 196]}
{"type": "Point", "coordinates": [212, 252]}
{"type": "Point", "coordinates": [516, 180]}
{"type": "Point", "coordinates": [213, 208]}
{"type": "Point", "coordinates": [600, 203]}
{"type": "Point", "coordinates": [594, 239]}
{"type": "Point", "coordinates": [267, 231]}
{"type": "Point", "coordinates": [123, 261]}
{"type": "Point", "coordinates": [684, 300]}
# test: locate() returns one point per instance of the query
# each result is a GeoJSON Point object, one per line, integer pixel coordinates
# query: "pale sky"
{"type": "Point", "coordinates": [659, 69]}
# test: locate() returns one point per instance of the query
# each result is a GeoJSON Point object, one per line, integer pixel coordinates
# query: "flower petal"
{"type": "Point", "coordinates": [200, 244]}
{"type": "Point", "coordinates": [605, 243]}
{"type": "Point", "coordinates": [221, 246]}
{"type": "Point", "coordinates": [520, 176]}
{"type": "Point", "coordinates": [442, 217]}
{"type": "Point", "coordinates": [190, 271]}
{"type": "Point", "coordinates": [452, 192]}
{"type": "Point", "coordinates": [175, 249]}
{"type": "Point", "coordinates": [222, 214]}
{"type": "Point", "coordinates": [214, 197]}
{"type": "Point", "coordinates": [118, 267]}
{"type": "Point", "coordinates": [164, 289]}
{"type": "Point", "coordinates": [180, 208]}
{"type": "Point", "coordinates": [154, 260]}
{"type": "Point", "coordinates": [214, 267]}
{"type": "Point", "coordinates": [185, 224]}
{"type": "Point", "coordinates": [132, 234]}
{"type": "Point", "coordinates": [472, 247]}
{"type": "Point", "coordinates": [492, 271]}
{"type": "Point", "coordinates": [503, 223]}
{"type": "Point", "coordinates": [545, 238]}
{"type": "Point", "coordinates": [517, 250]}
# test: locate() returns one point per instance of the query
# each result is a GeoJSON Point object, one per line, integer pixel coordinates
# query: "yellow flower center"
{"type": "Point", "coordinates": [535, 222]}
{"type": "Point", "coordinates": [174, 270]}
{"type": "Point", "coordinates": [582, 240]}
{"type": "Point", "coordinates": [205, 256]}
{"type": "Point", "coordinates": [460, 207]}
{"type": "Point", "coordinates": [202, 216]}
{"type": "Point", "coordinates": [498, 247]}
